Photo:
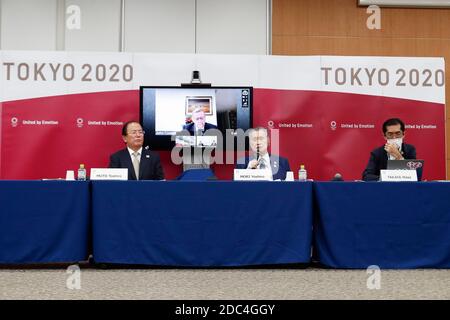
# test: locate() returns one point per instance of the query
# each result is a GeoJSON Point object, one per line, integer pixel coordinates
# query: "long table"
{"type": "Point", "coordinates": [225, 223]}
{"type": "Point", "coordinates": [44, 221]}
{"type": "Point", "coordinates": [391, 225]}
{"type": "Point", "coordinates": [189, 223]}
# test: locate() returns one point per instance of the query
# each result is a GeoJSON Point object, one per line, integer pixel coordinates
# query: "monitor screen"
{"type": "Point", "coordinates": [166, 111]}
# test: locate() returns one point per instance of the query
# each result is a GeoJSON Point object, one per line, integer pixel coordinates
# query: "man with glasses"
{"type": "Point", "coordinates": [142, 164]}
{"type": "Point", "coordinates": [393, 149]}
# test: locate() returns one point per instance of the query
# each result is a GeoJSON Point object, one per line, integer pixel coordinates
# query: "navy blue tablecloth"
{"type": "Point", "coordinates": [44, 221]}
{"type": "Point", "coordinates": [392, 225]}
{"type": "Point", "coordinates": [187, 223]}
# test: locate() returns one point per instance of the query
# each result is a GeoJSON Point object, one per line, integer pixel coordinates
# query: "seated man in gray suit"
{"type": "Point", "coordinates": [142, 163]}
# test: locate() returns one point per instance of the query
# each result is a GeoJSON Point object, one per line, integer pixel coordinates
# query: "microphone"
{"type": "Point", "coordinates": [337, 177]}
{"type": "Point", "coordinates": [257, 157]}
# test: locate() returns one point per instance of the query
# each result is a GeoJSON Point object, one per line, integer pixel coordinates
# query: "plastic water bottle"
{"type": "Point", "coordinates": [81, 173]}
{"type": "Point", "coordinates": [302, 175]}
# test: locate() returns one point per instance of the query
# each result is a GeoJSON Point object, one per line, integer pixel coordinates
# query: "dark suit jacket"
{"type": "Point", "coordinates": [279, 166]}
{"type": "Point", "coordinates": [378, 161]}
{"type": "Point", "coordinates": [190, 127]}
{"type": "Point", "coordinates": [149, 167]}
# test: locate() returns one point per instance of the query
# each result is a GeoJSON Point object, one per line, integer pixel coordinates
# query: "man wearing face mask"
{"type": "Point", "coordinates": [394, 149]}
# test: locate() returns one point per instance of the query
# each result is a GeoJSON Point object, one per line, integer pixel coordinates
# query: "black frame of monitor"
{"type": "Point", "coordinates": [164, 142]}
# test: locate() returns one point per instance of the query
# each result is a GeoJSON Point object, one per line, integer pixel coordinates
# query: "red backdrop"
{"type": "Point", "coordinates": [86, 129]}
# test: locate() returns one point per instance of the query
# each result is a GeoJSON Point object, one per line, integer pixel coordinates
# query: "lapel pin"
{"type": "Point", "coordinates": [147, 156]}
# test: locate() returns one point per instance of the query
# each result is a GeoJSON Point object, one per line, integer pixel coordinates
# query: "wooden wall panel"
{"type": "Point", "coordinates": [338, 27]}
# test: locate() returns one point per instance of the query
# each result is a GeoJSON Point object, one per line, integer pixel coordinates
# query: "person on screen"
{"type": "Point", "coordinates": [260, 158]}
{"type": "Point", "coordinates": [393, 149]}
{"type": "Point", "coordinates": [142, 164]}
{"type": "Point", "coordinates": [198, 124]}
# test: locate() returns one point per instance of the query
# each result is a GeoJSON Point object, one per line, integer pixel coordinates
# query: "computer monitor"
{"type": "Point", "coordinates": [166, 111]}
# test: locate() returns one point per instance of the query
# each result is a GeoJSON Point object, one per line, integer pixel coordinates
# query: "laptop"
{"type": "Point", "coordinates": [407, 164]}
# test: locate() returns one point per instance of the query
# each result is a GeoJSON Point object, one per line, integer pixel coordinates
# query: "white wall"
{"type": "Point", "coordinates": [231, 26]}
{"type": "Point", "coordinates": [28, 25]}
{"type": "Point", "coordinates": [99, 28]}
{"type": "Point", "coordinates": [173, 26]}
{"type": "Point", "coordinates": [160, 26]}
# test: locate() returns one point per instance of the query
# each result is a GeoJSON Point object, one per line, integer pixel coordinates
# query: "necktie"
{"type": "Point", "coordinates": [262, 163]}
{"type": "Point", "coordinates": [136, 164]}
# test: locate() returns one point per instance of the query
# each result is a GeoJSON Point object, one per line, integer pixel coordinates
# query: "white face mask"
{"type": "Point", "coordinates": [398, 142]}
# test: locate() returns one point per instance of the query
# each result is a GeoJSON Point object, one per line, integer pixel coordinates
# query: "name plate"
{"type": "Point", "coordinates": [398, 175]}
{"type": "Point", "coordinates": [109, 174]}
{"type": "Point", "coordinates": [252, 175]}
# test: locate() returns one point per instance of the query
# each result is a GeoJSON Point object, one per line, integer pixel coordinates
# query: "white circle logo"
{"type": "Point", "coordinates": [333, 125]}
{"type": "Point", "coordinates": [270, 124]}
{"type": "Point", "coordinates": [80, 122]}
{"type": "Point", "coordinates": [14, 121]}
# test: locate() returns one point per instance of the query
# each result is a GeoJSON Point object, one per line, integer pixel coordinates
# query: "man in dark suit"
{"type": "Point", "coordinates": [393, 149]}
{"type": "Point", "coordinates": [198, 124]}
{"type": "Point", "coordinates": [260, 157]}
{"type": "Point", "coordinates": [142, 164]}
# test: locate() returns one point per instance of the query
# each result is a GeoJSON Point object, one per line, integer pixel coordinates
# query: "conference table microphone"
{"type": "Point", "coordinates": [337, 177]}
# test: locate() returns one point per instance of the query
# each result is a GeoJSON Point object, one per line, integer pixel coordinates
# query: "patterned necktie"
{"type": "Point", "coordinates": [136, 164]}
{"type": "Point", "coordinates": [262, 163]}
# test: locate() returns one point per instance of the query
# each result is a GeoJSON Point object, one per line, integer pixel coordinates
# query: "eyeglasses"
{"type": "Point", "coordinates": [397, 134]}
{"type": "Point", "coordinates": [136, 132]}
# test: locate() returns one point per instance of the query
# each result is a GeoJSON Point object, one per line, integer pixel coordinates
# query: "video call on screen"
{"type": "Point", "coordinates": [165, 111]}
